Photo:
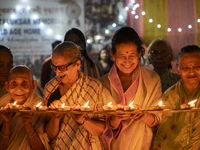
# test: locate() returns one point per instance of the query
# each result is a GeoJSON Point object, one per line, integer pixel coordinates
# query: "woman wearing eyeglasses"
{"type": "Point", "coordinates": [73, 88]}
{"type": "Point", "coordinates": [160, 55]}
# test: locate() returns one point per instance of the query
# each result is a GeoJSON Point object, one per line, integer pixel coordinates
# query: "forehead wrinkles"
{"type": "Point", "coordinates": [25, 77]}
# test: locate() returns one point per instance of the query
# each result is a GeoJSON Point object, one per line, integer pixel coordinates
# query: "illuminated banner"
{"type": "Point", "coordinates": [29, 27]}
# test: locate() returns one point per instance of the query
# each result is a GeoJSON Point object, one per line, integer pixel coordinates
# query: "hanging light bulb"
{"type": "Point", "coordinates": [169, 29]}
{"type": "Point", "coordinates": [143, 13]}
{"type": "Point", "coordinates": [159, 26]}
{"type": "Point", "coordinates": [190, 26]}
{"type": "Point", "coordinates": [150, 20]}
{"type": "Point", "coordinates": [179, 29]}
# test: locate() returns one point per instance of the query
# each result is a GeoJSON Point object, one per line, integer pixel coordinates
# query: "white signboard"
{"type": "Point", "coordinates": [29, 27]}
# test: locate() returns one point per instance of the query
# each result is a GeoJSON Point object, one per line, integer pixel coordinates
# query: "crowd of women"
{"type": "Point", "coordinates": [78, 79]}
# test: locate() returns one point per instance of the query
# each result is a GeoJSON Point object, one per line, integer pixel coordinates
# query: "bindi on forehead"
{"type": "Point", "coordinates": [127, 52]}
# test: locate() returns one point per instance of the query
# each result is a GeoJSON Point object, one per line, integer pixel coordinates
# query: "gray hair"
{"type": "Point", "coordinates": [20, 69]}
{"type": "Point", "coordinates": [68, 49]}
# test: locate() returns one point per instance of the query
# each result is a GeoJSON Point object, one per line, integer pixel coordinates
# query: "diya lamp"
{"type": "Point", "coordinates": [86, 107]}
{"type": "Point", "coordinates": [64, 108]}
{"type": "Point", "coordinates": [15, 106]}
{"type": "Point", "coordinates": [109, 106]}
{"type": "Point", "coordinates": [40, 107]}
{"type": "Point", "coordinates": [130, 106]}
{"type": "Point", "coordinates": [159, 106]}
{"type": "Point", "coordinates": [191, 104]}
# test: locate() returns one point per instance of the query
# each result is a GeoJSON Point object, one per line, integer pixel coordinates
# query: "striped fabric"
{"type": "Point", "coordinates": [72, 136]}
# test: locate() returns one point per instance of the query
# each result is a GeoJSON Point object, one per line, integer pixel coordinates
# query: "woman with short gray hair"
{"type": "Point", "coordinates": [72, 87]}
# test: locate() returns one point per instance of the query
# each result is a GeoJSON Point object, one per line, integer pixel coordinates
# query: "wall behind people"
{"type": "Point", "coordinates": [29, 27]}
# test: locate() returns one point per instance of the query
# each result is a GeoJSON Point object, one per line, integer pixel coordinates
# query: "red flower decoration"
{"type": "Point", "coordinates": [178, 115]}
{"type": "Point", "coordinates": [183, 100]}
{"type": "Point", "coordinates": [165, 137]}
{"type": "Point", "coordinates": [172, 127]}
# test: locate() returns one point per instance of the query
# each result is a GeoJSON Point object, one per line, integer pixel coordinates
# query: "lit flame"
{"type": "Point", "coordinates": [192, 102]}
{"type": "Point", "coordinates": [86, 104]}
{"type": "Point", "coordinates": [15, 103]}
{"type": "Point", "coordinates": [131, 104]}
{"type": "Point", "coordinates": [160, 103]}
{"type": "Point", "coordinates": [38, 104]}
{"type": "Point", "coordinates": [109, 104]}
{"type": "Point", "coordinates": [63, 105]}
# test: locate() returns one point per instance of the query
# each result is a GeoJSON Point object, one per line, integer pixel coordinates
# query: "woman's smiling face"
{"type": "Point", "coordinates": [70, 72]}
{"type": "Point", "coordinates": [189, 68]}
{"type": "Point", "coordinates": [126, 57]}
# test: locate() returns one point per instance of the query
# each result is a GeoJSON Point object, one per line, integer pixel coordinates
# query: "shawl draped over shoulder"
{"type": "Point", "coordinates": [133, 135]}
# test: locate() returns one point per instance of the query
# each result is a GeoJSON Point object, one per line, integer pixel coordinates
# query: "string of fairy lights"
{"type": "Point", "coordinates": [133, 6]}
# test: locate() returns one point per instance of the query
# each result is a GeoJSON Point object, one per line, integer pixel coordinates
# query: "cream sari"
{"type": "Point", "coordinates": [18, 136]}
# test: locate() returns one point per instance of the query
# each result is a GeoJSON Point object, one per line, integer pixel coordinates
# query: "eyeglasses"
{"type": "Point", "coordinates": [62, 67]}
{"type": "Point", "coordinates": [161, 52]}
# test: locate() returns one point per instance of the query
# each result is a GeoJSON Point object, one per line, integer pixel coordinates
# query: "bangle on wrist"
{"type": "Point", "coordinates": [4, 135]}
{"type": "Point", "coordinates": [32, 135]}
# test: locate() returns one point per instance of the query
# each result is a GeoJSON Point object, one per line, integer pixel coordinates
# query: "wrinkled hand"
{"type": "Point", "coordinates": [77, 117]}
{"type": "Point", "coordinates": [26, 117]}
{"type": "Point", "coordinates": [54, 105]}
{"type": "Point", "coordinates": [7, 116]}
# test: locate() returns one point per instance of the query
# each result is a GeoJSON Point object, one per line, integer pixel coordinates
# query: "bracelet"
{"type": "Point", "coordinates": [155, 120]}
{"type": "Point", "coordinates": [32, 135]}
{"type": "Point", "coordinates": [4, 135]}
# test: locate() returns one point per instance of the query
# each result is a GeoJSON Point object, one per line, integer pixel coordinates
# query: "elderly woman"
{"type": "Point", "coordinates": [6, 63]}
{"type": "Point", "coordinates": [181, 130]}
{"type": "Point", "coordinates": [129, 81]}
{"type": "Point", "coordinates": [21, 130]}
{"type": "Point", "coordinates": [72, 87]}
{"type": "Point", "coordinates": [160, 55]}
{"type": "Point", "coordinates": [88, 67]}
